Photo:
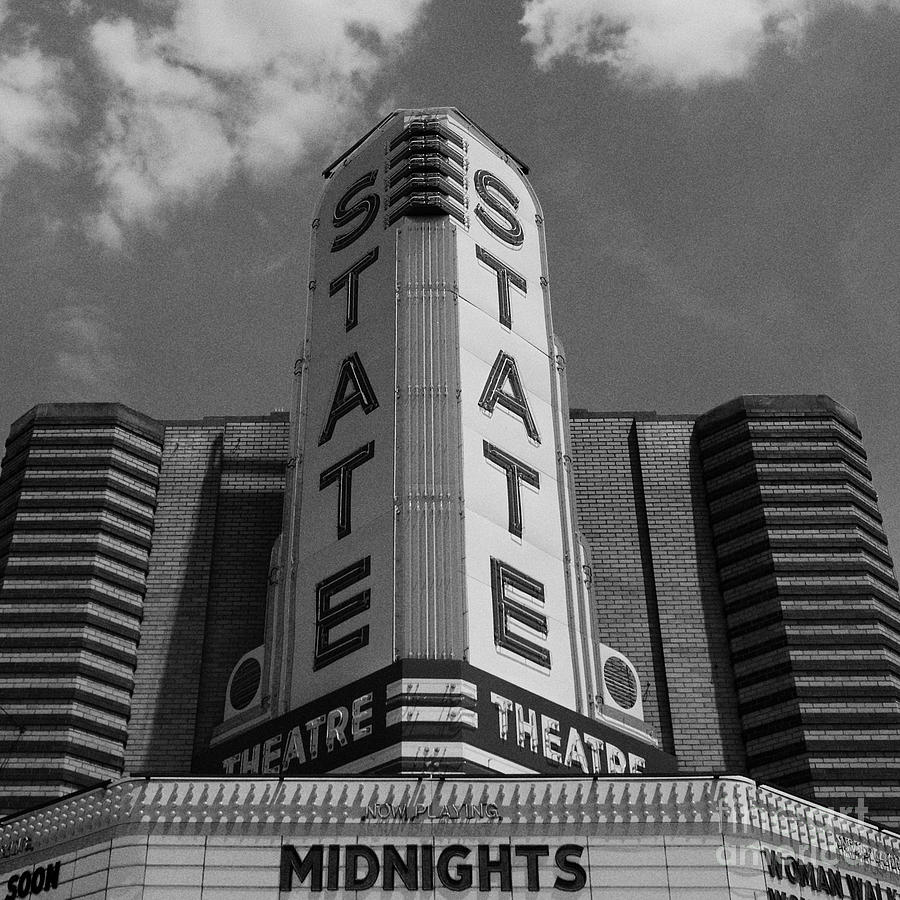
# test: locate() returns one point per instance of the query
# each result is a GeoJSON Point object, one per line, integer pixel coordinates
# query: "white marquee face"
{"type": "Point", "coordinates": [641, 839]}
{"type": "Point", "coordinates": [513, 609]}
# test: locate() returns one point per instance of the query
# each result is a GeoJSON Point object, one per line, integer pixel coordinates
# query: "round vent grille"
{"type": "Point", "coordinates": [245, 683]}
{"type": "Point", "coordinates": [620, 682]}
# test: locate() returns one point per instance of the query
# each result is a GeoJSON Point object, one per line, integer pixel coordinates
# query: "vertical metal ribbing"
{"type": "Point", "coordinates": [430, 485]}
{"type": "Point", "coordinates": [424, 486]}
{"type": "Point", "coordinates": [441, 277]}
{"type": "Point", "coordinates": [429, 543]}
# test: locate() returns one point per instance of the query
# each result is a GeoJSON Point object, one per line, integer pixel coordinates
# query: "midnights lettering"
{"type": "Point", "coordinates": [422, 867]}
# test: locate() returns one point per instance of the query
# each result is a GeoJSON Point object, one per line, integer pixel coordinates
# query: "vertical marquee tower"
{"type": "Point", "coordinates": [428, 604]}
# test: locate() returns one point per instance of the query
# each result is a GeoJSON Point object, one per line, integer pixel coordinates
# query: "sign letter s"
{"type": "Point", "coordinates": [367, 207]}
{"type": "Point", "coordinates": [493, 191]}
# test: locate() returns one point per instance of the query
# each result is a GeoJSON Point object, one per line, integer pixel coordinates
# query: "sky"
{"type": "Point", "coordinates": [720, 182]}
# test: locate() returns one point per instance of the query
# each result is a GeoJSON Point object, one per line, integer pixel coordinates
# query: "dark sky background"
{"type": "Point", "coordinates": [720, 182]}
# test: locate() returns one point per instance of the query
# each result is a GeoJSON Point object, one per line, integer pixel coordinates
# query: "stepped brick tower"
{"type": "Point", "coordinates": [77, 501]}
{"type": "Point", "coordinates": [810, 597]}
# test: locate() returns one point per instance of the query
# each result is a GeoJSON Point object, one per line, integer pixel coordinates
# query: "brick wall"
{"type": "Point", "coordinates": [251, 493]}
{"type": "Point", "coordinates": [218, 514]}
{"type": "Point", "coordinates": [642, 511]}
{"type": "Point", "coordinates": [161, 732]}
{"type": "Point", "coordinates": [705, 726]}
{"type": "Point", "coordinates": [603, 472]}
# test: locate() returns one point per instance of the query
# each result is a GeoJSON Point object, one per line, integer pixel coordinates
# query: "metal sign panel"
{"type": "Point", "coordinates": [402, 710]}
{"type": "Point", "coordinates": [429, 512]}
{"type": "Point", "coordinates": [340, 607]}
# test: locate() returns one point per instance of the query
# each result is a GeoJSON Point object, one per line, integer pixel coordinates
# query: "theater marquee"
{"type": "Point", "coordinates": [271, 838]}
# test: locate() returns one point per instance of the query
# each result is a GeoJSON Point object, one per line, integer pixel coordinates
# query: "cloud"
{"type": "Point", "coordinates": [163, 139]}
{"type": "Point", "coordinates": [673, 41]}
{"type": "Point", "coordinates": [229, 85]}
{"type": "Point", "coordinates": [85, 361]}
{"type": "Point", "coordinates": [34, 110]}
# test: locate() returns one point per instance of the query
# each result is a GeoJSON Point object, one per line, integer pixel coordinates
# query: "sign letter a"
{"type": "Point", "coordinates": [504, 372]}
{"type": "Point", "coordinates": [353, 389]}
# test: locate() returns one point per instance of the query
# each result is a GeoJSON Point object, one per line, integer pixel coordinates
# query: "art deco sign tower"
{"type": "Point", "coordinates": [429, 605]}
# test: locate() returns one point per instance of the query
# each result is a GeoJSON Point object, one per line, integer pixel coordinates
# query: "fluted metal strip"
{"type": "Point", "coordinates": [429, 540]}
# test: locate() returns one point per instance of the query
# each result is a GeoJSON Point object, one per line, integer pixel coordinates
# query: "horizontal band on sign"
{"type": "Point", "coordinates": [423, 204]}
{"type": "Point", "coordinates": [445, 700]}
{"type": "Point", "coordinates": [440, 714]}
{"type": "Point", "coordinates": [425, 147]}
{"type": "Point", "coordinates": [431, 751]}
{"type": "Point", "coordinates": [428, 164]}
{"type": "Point", "coordinates": [420, 128]}
{"type": "Point", "coordinates": [426, 182]}
{"type": "Point", "coordinates": [410, 687]}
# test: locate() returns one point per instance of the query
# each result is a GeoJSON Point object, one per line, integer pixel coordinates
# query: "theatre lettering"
{"type": "Point", "coordinates": [515, 724]}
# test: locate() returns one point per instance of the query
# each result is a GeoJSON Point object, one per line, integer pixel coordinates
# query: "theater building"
{"type": "Point", "coordinates": [432, 630]}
